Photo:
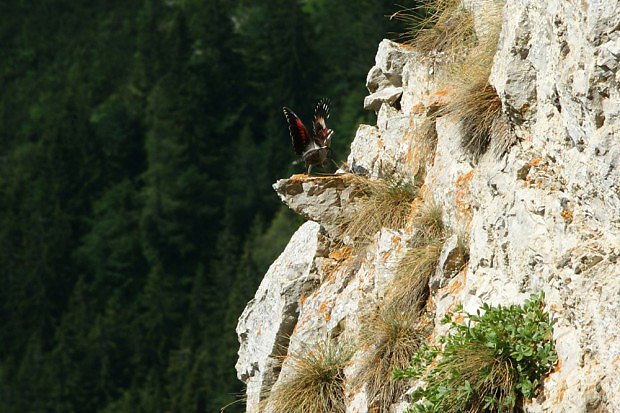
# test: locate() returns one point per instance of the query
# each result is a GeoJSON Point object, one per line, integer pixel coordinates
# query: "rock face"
{"type": "Point", "coordinates": [269, 319]}
{"type": "Point", "coordinates": [545, 217]}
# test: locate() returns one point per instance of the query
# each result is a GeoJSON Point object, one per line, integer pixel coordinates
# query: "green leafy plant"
{"type": "Point", "coordinates": [491, 363]}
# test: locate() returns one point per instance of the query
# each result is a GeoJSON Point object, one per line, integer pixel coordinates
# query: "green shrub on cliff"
{"type": "Point", "coordinates": [491, 363]}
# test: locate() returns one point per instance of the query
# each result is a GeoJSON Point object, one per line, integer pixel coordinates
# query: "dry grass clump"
{"type": "Point", "coordinates": [470, 45]}
{"type": "Point", "coordinates": [393, 337]}
{"type": "Point", "coordinates": [385, 204]}
{"type": "Point", "coordinates": [428, 221]}
{"type": "Point", "coordinates": [410, 289]}
{"type": "Point", "coordinates": [317, 382]}
{"type": "Point", "coordinates": [483, 123]}
{"type": "Point", "coordinates": [475, 102]}
{"type": "Point", "coordinates": [439, 26]}
{"type": "Point", "coordinates": [479, 110]}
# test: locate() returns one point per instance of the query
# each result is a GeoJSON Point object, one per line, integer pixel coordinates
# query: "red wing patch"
{"type": "Point", "coordinates": [299, 134]}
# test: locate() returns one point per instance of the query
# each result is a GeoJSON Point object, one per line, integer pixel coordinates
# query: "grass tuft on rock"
{"type": "Point", "coordinates": [410, 289]}
{"type": "Point", "coordinates": [469, 46]}
{"type": "Point", "coordinates": [441, 26]}
{"type": "Point", "coordinates": [384, 204]}
{"type": "Point", "coordinates": [479, 112]}
{"type": "Point", "coordinates": [393, 337]}
{"type": "Point", "coordinates": [316, 383]}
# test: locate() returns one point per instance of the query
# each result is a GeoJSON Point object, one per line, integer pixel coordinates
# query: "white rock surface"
{"type": "Point", "coordinates": [556, 69]}
{"type": "Point", "coordinates": [269, 318]}
{"type": "Point", "coordinates": [323, 199]}
{"type": "Point", "coordinates": [391, 58]}
{"type": "Point", "coordinates": [545, 217]}
{"type": "Point", "coordinates": [389, 95]}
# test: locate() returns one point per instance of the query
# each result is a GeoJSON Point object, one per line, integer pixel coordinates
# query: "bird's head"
{"type": "Point", "coordinates": [327, 136]}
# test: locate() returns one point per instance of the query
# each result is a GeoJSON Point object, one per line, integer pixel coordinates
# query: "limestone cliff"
{"type": "Point", "coordinates": [541, 214]}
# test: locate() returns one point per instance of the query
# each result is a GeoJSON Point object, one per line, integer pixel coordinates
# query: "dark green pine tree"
{"type": "Point", "coordinates": [138, 143]}
{"type": "Point", "coordinates": [277, 48]}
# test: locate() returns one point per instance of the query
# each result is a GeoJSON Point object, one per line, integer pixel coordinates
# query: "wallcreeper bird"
{"type": "Point", "coordinates": [314, 149]}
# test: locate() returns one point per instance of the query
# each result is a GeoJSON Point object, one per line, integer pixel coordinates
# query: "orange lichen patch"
{"type": "Point", "coordinates": [462, 195]}
{"type": "Point", "coordinates": [454, 287]}
{"type": "Point", "coordinates": [442, 92]}
{"type": "Point", "coordinates": [410, 154]}
{"type": "Point", "coordinates": [536, 161]}
{"type": "Point", "coordinates": [324, 310]}
{"type": "Point", "coordinates": [561, 390]}
{"type": "Point", "coordinates": [422, 192]}
{"type": "Point", "coordinates": [464, 179]}
{"type": "Point", "coordinates": [442, 96]}
{"type": "Point", "coordinates": [459, 319]}
{"type": "Point", "coordinates": [379, 143]}
{"type": "Point", "coordinates": [567, 214]}
{"type": "Point", "coordinates": [341, 253]}
{"type": "Point", "coordinates": [317, 178]}
{"type": "Point", "coordinates": [430, 301]}
{"type": "Point", "coordinates": [418, 109]}
{"type": "Point", "coordinates": [299, 177]}
{"type": "Point", "coordinates": [406, 46]}
{"type": "Point", "coordinates": [416, 204]}
{"type": "Point", "coordinates": [330, 272]}
{"type": "Point", "coordinates": [302, 299]}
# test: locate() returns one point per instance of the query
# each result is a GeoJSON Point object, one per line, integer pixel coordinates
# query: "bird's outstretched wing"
{"type": "Point", "coordinates": [321, 114]}
{"type": "Point", "coordinates": [299, 134]}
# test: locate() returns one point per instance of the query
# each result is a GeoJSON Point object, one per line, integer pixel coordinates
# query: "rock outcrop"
{"type": "Point", "coordinates": [543, 217]}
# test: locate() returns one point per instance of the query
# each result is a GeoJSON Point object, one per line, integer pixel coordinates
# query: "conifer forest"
{"type": "Point", "coordinates": [138, 143]}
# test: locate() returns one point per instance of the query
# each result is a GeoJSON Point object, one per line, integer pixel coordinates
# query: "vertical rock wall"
{"type": "Point", "coordinates": [545, 217]}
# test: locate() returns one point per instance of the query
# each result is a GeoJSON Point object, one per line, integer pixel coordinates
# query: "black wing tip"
{"type": "Point", "coordinates": [288, 113]}
{"type": "Point", "coordinates": [322, 108]}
